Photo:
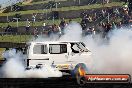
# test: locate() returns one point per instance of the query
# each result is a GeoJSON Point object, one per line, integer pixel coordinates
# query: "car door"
{"type": "Point", "coordinates": [58, 53]}
{"type": "Point", "coordinates": [39, 55]}
{"type": "Point", "coordinates": [74, 53]}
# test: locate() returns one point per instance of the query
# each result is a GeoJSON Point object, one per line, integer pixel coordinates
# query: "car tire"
{"type": "Point", "coordinates": [80, 79]}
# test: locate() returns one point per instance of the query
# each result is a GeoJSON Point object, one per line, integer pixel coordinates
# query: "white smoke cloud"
{"type": "Point", "coordinates": [15, 68]}
{"type": "Point", "coordinates": [72, 32]}
{"type": "Point", "coordinates": [45, 72]}
{"type": "Point", "coordinates": [114, 57]}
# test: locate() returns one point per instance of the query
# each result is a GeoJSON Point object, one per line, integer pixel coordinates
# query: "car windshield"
{"type": "Point", "coordinates": [82, 46]}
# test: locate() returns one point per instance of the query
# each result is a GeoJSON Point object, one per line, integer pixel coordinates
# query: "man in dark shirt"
{"type": "Point", "coordinates": [108, 27]}
{"type": "Point", "coordinates": [8, 28]}
{"type": "Point", "coordinates": [129, 5]}
{"type": "Point", "coordinates": [62, 25]}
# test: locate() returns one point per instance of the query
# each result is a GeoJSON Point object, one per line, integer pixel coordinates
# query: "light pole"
{"type": "Point", "coordinates": [108, 17]}
{"type": "Point", "coordinates": [53, 19]}
{"type": "Point", "coordinates": [17, 21]}
{"type": "Point", "coordinates": [11, 5]}
{"type": "Point", "coordinates": [46, 14]}
{"type": "Point", "coordinates": [7, 18]}
{"type": "Point", "coordinates": [79, 2]}
{"type": "Point", "coordinates": [56, 5]}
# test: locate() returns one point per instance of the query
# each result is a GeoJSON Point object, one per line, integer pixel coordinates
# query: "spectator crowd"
{"type": "Point", "coordinates": [95, 22]}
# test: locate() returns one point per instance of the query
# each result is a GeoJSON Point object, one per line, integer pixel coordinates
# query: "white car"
{"type": "Point", "coordinates": [64, 56]}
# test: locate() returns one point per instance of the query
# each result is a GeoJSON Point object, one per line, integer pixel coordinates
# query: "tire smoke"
{"type": "Point", "coordinates": [15, 67]}
{"type": "Point", "coordinates": [114, 57]}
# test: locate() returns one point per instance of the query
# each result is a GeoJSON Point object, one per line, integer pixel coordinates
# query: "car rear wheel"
{"type": "Point", "coordinates": [79, 73]}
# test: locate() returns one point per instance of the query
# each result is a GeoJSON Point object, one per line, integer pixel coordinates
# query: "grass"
{"type": "Point", "coordinates": [94, 6]}
{"type": "Point", "coordinates": [15, 38]}
{"type": "Point", "coordinates": [48, 22]}
{"type": "Point", "coordinates": [33, 3]}
{"type": "Point", "coordinates": [40, 2]}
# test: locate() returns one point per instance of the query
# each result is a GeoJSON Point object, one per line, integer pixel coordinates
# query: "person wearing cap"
{"type": "Point", "coordinates": [125, 7]}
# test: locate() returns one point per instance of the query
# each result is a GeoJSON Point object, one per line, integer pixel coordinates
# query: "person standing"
{"type": "Point", "coordinates": [36, 33]}
{"type": "Point", "coordinates": [27, 26]}
{"type": "Point", "coordinates": [62, 25]}
{"type": "Point", "coordinates": [34, 18]}
{"type": "Point", "coordinates": [130, 7]}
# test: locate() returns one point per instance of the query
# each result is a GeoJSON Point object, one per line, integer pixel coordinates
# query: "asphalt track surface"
{"type": "Point", "coordinates": [63, 82]}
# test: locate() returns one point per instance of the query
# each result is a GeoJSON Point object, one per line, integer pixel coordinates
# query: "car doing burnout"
{"type": "Point", "coordinates": [64, 56]}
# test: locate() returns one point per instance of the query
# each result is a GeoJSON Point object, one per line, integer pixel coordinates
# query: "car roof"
{"type": "Point", "coordinates": [53, 42]}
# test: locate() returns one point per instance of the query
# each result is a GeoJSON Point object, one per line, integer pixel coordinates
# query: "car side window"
{"type": "Point", "coordinates": [57, 48]}
{"type": "Point", "coordinates": [40, 49]}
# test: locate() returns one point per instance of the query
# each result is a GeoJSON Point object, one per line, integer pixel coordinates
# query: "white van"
{"type": "Point", "coordinates": [62, 55]}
